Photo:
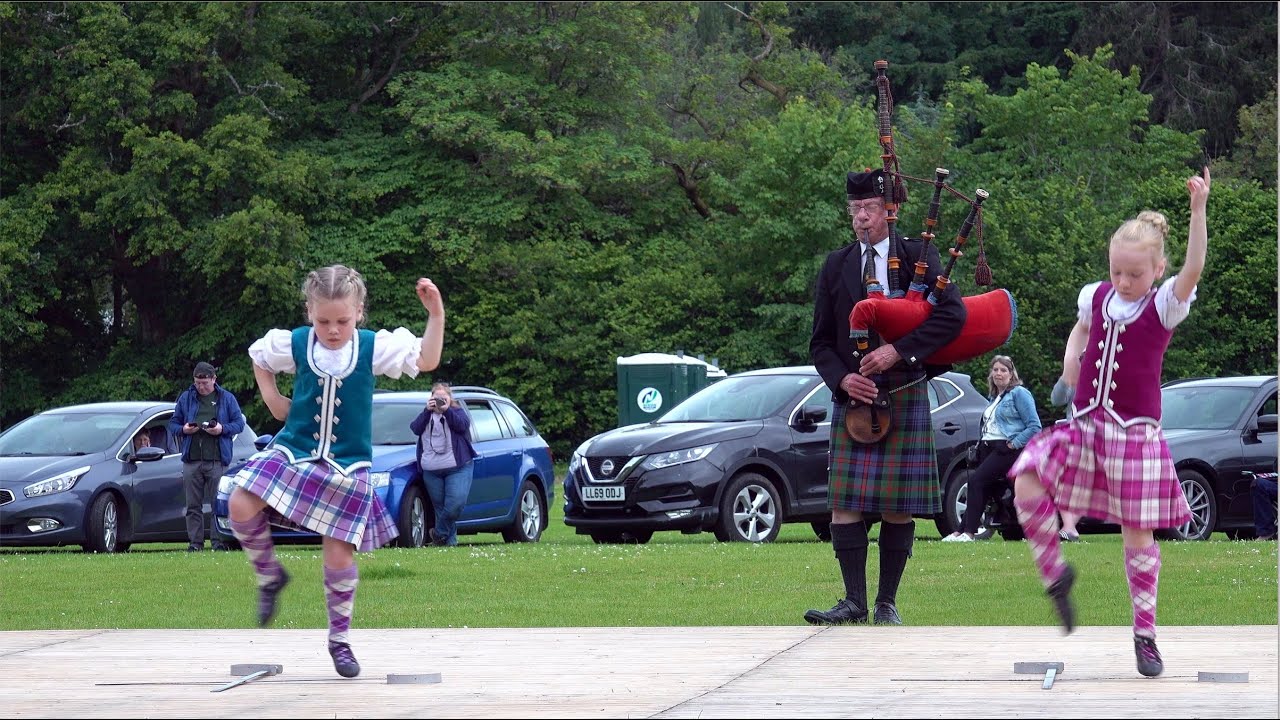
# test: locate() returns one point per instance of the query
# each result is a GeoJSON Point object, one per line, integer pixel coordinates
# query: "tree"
{"type": "Point", "coordinates": [1198, 61]}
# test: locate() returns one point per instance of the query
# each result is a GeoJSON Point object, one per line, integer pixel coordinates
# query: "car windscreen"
{"type": "Point", "coordinates": [750, 397]}
{"type": "Point", "coordinates": [66, 433]}
{"type": "Point", "coordinates": [1203, 407]}
{"type": "Point", "coordinates": [391, 423]}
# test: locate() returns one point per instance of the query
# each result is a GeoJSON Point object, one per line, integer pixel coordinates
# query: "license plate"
{"type": "Point", "coordinates": [606, 493]}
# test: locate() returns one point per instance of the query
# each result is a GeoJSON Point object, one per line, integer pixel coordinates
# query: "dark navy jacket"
{"type": "Point", "coordinates": [459, 427]}
{"type": "Point", "coordinates": [229, 417]}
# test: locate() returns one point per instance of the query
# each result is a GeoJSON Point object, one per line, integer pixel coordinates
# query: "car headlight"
{"type": "Point", "coordinates": [575, 462]}
{"type": "Point", "coordinates": [226, 484]}
{"type": "Point", "coordinates": [379, 479]}
{"type": "Point", "coordinates": [55, 484]}
{"type": "Point", "coordinates": [677, 457]}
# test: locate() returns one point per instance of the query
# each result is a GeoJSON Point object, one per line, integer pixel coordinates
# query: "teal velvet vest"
{"type": "Point", "coordinates": [331, 415]}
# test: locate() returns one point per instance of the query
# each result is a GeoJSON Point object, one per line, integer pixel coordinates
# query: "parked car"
{"type": "Point", "coordinates": [1220, 432]}
{"type": "Point", "coordinates": [513, 483]}
{"type": "Point", "coordinates": [70, 476]}
{"type": "Point", "coordinates": [739, 458]}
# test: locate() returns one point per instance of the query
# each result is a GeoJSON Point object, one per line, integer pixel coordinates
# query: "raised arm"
{"type": "Point", "coordinates": [1197, 237]}
{"type": "Point", "coordinates": [433, 334]}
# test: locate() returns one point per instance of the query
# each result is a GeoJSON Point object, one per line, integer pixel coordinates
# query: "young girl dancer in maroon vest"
{"type": "Point", "coordinates": [1111, 461]}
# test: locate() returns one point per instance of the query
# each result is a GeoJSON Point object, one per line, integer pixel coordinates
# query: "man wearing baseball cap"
{"type": "Point", "coordinates": [206, 418]}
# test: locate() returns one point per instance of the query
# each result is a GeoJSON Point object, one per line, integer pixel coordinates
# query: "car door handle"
{"type": "Point", "coordinates": [950, 428]}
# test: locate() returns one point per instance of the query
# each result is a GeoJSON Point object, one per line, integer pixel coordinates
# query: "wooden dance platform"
{"type": "Point", "coordinates": [681, 672]}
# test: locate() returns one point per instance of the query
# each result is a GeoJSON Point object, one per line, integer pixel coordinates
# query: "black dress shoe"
{"type": "Point", "coordinates": [887, 614]}
{"type": "Point", "coordinates": [845, 612]}
{"type": "Point", "coordinates": [268, 598]}
{"type": "Point", "coordinates": [1060, 593]}
{"type": "Point", "coordinates": [195, 548]}
{"type": "Point", "coordinates": [1149, 662]}
{"type": "Point", "coordinates": [343, 659]}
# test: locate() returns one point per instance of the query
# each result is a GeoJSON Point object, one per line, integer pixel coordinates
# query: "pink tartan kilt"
{"type": "Point", "coordinates": [1094, 467]}
{"type": "Point", "coordinates": [319, 498]}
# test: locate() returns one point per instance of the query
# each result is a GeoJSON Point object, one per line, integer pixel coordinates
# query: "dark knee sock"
{"type": "Point", "coordinates": [849, 540]}
{"type": "Point", "coordinates": [895, 548]}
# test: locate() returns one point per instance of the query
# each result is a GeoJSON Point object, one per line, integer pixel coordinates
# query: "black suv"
{"type": "Point", "coordinates": [739, 458]}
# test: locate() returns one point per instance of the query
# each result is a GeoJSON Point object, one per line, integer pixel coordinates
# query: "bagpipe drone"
{"type": "Point", "coordinates": [992, 316]}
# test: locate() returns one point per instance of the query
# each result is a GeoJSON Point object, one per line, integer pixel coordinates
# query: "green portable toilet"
{"type": "Point", "coordinates": [709, 375]}
{"type": "Point", "coordinates": [650, 384]}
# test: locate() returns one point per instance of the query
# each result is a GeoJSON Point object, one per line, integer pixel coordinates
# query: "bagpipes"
{"type": "Point", "coordinates": [992, 316]}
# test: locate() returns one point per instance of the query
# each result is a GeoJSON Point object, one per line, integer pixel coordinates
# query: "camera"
{"type": "Point", "coordinates": [439, 402]}
{"type": "Point", "coordinates": [208, 424]}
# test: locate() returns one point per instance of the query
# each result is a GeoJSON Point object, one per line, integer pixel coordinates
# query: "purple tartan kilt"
{"type": "Point", "coordinates": [320, 499]}
{"type": "Point", "coordinates": [898, 474]}
{"type": "Point", "coordinates": [1094, 467]}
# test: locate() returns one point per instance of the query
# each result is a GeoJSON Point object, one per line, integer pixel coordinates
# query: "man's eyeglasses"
{"type": "Point", "coordinates": [204, 377]}
{"type": "Point", "coordinates": [871, 207]}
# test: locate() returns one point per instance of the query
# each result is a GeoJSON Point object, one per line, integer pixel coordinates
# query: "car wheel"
{"type": "Point", "coordinates": [530, 516]}
{"type": "Point", "coordinates": [1204, 508]}
{"type": "Point", "coordinates": [822, 530]}
{"type": "Point", "coordinates": [957, 501]}
{"type": "Point", "coordinates": [103, 532]}
{"type": "Point", "coordinates": [750, 510]}
{"type": "Point", "coordinates": [412, 522]}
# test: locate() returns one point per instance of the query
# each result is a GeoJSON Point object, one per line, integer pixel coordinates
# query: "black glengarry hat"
{"type": "Point", "coordinates": [864, 185]}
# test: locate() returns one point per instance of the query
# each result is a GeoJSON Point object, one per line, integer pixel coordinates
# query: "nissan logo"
{"type": "Point", "coordinates": [606, 468]}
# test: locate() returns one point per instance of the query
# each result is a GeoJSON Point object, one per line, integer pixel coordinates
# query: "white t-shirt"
{"type": "Point", "coordinates": [1171, 311]}
{"type": "Point", "coordinates": [394, 353]}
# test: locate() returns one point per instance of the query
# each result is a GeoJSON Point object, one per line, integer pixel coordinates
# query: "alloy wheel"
{"type": "Point", "coordinates": [754, 514]}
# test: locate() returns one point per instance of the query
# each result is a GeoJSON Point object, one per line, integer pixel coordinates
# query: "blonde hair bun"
{"type": "Point", "coordinates": [1157, 219]}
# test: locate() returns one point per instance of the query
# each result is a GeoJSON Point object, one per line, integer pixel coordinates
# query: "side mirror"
{"type": "Point", "coordinates": [1267, 423]}
{"type": "Point", "coordinates": [811, 415]}
{"type": "Point", "coordinates": [148, 454]}
{"type": "Point", "coordinates": [263, 441]}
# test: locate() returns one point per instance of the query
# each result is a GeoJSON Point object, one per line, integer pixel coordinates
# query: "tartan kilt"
{"type": "Point", "coordinates": [898, 474]}
{"type": "Point", "coordinates": [1094, 467]}
{"type": "Point", "coordinates": [317, 497]}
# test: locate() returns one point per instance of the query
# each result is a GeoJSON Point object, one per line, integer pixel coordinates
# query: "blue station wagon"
{"type": "Point", "coordinates": [513, 483]}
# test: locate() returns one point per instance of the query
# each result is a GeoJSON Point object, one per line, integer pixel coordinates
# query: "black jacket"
{"type": "Point", "coordinates": [840, 286]}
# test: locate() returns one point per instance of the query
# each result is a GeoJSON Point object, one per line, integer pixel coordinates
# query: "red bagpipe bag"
{"type": "Point", "coordinates": [993, 316]}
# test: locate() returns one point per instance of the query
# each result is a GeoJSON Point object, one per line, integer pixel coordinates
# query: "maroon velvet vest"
{"type": "Point", "coordinates": [1120, 371]}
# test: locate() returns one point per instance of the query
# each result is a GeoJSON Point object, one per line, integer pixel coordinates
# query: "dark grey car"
{"type": "Point", "coordinates": [738, 459]}
{"type": "Point", "coordinates": [69, 476]}
{"type": "Point", "coordinates": [1220, 432]}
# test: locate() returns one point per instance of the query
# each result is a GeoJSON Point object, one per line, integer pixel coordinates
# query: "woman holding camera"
{"type": "Point", "coordinates": [1009, 421]}
{"type": "Point", "coordinates": [446, 458]}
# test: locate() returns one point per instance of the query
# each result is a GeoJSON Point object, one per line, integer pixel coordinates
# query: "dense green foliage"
{"type": "Point", "coordinates": [589, 180]}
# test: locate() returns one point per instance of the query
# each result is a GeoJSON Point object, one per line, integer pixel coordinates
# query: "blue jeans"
{"type": "Point", "coordinates": [448, 490]}
{"type": "Point", "coordinates": [1264, 506]}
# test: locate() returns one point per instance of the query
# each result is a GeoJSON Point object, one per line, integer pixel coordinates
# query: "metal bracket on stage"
{"type": "Point", "coordinates": [249, 673]}
{"type": "Point", "coordinates": [1050, 670]}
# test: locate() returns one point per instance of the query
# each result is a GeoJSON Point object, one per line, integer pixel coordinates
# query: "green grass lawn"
{"type": "Point", "coordinates": [675, 580]}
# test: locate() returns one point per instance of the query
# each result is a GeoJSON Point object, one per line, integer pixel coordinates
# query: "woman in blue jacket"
{"type": "Point", "coordinates": [445, 457]}
{"type": "Point", "coordinates": [1009, 421]}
